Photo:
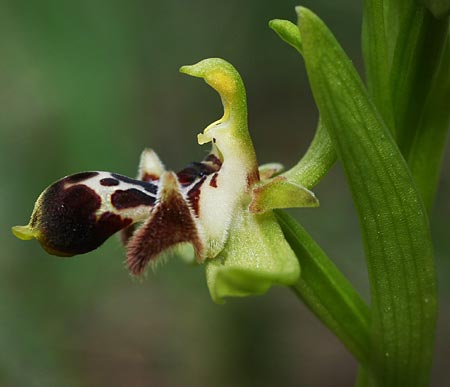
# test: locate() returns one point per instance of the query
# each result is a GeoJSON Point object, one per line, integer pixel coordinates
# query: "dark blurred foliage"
{"type": "Point", "coordinates": [87, 85]}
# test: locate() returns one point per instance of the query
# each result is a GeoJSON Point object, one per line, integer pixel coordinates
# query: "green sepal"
{"type": "Point", "coordinates": [256, 256]}
{"type": "Point", "coordinates": [279, 192]}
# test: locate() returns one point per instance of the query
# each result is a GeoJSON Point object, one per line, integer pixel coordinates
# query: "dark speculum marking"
{"type": "Point", "coordinates": [131, 198]}
{"type": "Point", "coordinates": [109, 182]}
{"type": "Point", "coordinates": [79, 177]}
{"type": "Point", "coordinates": [193, 171]}
{"type": "Point", "coordinates": [149, 187]}
{"type": "Point", "coordinates": [171, 223]}
{"type": "Point", "coordinates": [67, 221]}
{"type": "Point", "coordinates": [213, 182]}
{"type": "Point", "coordinates": [194, 195]}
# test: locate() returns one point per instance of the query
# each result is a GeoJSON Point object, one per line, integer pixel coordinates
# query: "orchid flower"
{"type": "Point", "coordinates": [222, 206]}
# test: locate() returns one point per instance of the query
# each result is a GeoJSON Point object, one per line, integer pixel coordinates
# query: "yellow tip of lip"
{"type": "Point", "coordinates": [23, 232]}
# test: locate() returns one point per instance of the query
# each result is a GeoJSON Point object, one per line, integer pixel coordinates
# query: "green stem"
{"type": "Point", "coordinates": [326, 292]}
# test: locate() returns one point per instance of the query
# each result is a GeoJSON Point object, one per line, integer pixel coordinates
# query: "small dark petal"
{"type": "Point", "coordinates": [131, 198]}
{"type": "Point", "coordinates": [79, 177]}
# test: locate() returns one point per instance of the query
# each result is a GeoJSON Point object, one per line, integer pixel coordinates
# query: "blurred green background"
{"type": "Point", "coordinates": [87, 85]}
